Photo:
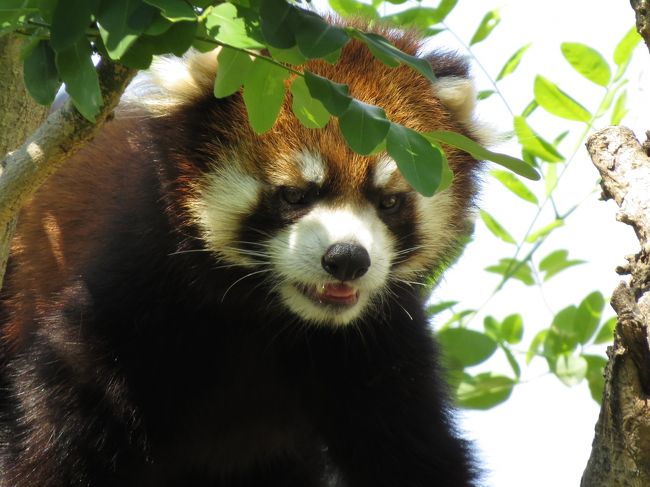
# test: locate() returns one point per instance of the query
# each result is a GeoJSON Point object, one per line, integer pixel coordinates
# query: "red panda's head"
{"type": "Point", "coordinates": [329, 230]}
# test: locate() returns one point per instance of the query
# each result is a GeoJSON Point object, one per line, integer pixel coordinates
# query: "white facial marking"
{"type": "Point", "coordinates": [311, 167]}
{"type": "Point", "coordinates": [383, 171]}
{"type": "Point", "coordinates": [227, 196]}
{"type": "Point", "coordinates": [298, 249]}
{"type": "Point", "coordinates": [436, 231]}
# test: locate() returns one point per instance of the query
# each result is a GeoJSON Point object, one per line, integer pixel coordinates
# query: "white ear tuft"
{"type": "Point", "coordinates": [459, 96]}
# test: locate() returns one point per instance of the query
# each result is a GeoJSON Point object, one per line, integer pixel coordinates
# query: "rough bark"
{"type": "Point", "coordinates": [63, 132]}
{"type": "Point", "coordinates": [620, 454]}
{"type": "Point", "coordinates": [19, 117]}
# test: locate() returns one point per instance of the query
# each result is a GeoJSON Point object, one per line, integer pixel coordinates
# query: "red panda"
{"type": "Point", "coordinates": [191, 304]}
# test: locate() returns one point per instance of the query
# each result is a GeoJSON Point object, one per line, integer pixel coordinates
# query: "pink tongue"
{"type": "Point", "coordinates": [339, 291]}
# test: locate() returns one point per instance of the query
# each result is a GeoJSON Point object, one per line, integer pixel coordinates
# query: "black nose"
{"type": "Point", "coordinates": [346, 261]}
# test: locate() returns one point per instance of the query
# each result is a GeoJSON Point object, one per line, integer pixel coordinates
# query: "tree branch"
{"type": "Point", "coordinates": [620, 453]}
{"type": "Point", "coordinates": [63, 133]}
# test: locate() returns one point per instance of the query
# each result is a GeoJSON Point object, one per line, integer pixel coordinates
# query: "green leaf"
{"type": "Point", "coordinates": [557, 102]}
{"type": "Point", "coordinates": [487, 25]}
{"type": "Point", "coordinates": [545, 230]}
{"type": "Point", "coordinates": [485, 94]}
{"type": "Point", "coordinates": [12, 10]}
{"type": "Point", "coordinates": [512, 329]}
{"type": "Point", "coordinates": [606, 332]}
{"type": "Point", "coordinates": [519, 270]}
{"type": "Point", "coordinates": [233, 66]}
{"type": "Point", "coordinates": [466, 347]}
{"type": "Point", "coordinates": [363, 126]}
{"type": "Point", "coordinates": [288, 56]}
{"type": "Point", "coordinates": [530, 108]}
{"type": "Point", "coordinates": [277, 21]}
{"type": "Point", "coordinates": [483, 391]}
{"type": "Point", "coordinates": [316, 38]}
{"type": "Point", "coordinates": [383, 50]}
{"type": "Point", "coordinates": [562, 337]}
{"type": "Point", "coordinates": [176, 40]}
{"type": "Point", "coordinates": [623, 51]}
{"type": "Point", "coordinates": [512, 361]}
{"type": "Point", "coordinates": [434, 309]}
{"type": "Point", "coordinates": [174, 10]}
{"type": "Point", "coordinates": [77, 71]}
{"type": "Point", "coordinates": [418, 17]}
{"type": "Point", "coordinates": [550, 180]}
{"type": "Point", "coordinates": [225, 24]}
{"type": "Point", "coordinates": [556, 262]}
{"type": "Point", "coordinates": [40, 74]}
{"type": "Point", "coordinates": [419, 162]}
{"type": "Point", "coordinates": [536, 346]}
{"type": "Point", "coordinates": [596, 375]}
{"type": "Point", "coordinates": [310, 112]}
{"type": "Point", "coordinates": [619, 111]}
{"type": "Point", "coordinates": [70, 20]}
{"type": "Point", "coordinates": [533, 143]}
{"type": "Point", "coordinates": [475, 150]}
{"type": "Point", "coordinates": [570, 369]}
{"type": "Point", "coordinates": [588, 316]}
{"type": "Point", "coordinates": [513, 183]}
{"type": "Point", "coordinates": [492, 328]}
{"type": "Point", "coordinates": [496, 228]}
{"type": "Point", "coordinates": [512, 63]}
{"type": "Point", "coordinates": [588, 62]}
{"type": "Point", "coordinates": [334, 96]}
{"type": "Point", "coordinates": [352, 8]}
{"type": "Point", "coordinates": [264, 93]}
{"type": "Point", "coordinates": [121, 22]}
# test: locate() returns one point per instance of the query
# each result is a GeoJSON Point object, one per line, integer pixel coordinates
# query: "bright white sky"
{"type": "Point", "coordinates": [542, 435]}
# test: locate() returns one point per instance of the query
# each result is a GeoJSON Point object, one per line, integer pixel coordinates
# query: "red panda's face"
{"type": "Point", "coordinates": [329, 231]}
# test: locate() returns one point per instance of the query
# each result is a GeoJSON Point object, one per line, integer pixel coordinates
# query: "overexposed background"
{"type": "Point", "coordinates": [542, 435]}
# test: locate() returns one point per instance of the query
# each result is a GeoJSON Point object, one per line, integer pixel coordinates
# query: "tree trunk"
{"type": "Point", "coordinates": [19, 117]}
{"type": "Point", "coordinates": [620, 453]}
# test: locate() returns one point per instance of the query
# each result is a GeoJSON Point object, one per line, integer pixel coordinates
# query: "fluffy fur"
{"type": "Point", "coordinates": [191, 304]}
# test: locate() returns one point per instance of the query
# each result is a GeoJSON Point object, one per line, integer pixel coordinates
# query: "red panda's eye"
{"type": "Point", "coordinates": [390, 202]}
{"type": "Point", "coordinates": [293, 196]}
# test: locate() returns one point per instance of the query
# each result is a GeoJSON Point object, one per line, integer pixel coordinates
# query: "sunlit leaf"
{"type": "Point", "coordinates": [606, 332]}
{"type": "Point", "coordinates": [512, 328]}
{"type": "Point", "coordinates": [434, 309]}
{"type": "Point", "coordinates": [557, 102]}
{"type": "Point", "coordinates": [534, 143]}
{"type": "Point", "coordinates": [475, 150]}
{"type": "Point", "coordinates": [515, 185]}
{"type": "Point", "coordinates": [623, 51]}
{"type": "Point", "coordinates": [514, 364]}
{"type": "Point", "coordinates": [512, 63]}
{"type": "Point", "coordinates": [620, 110]}
{"type": "Point", "coordinates": [588, 62]}
{"type": "Point", "coordinates": [556, 262]}
{"type": "Point", "coordinates": [288, 56]}
{"type": "Point", "coordinates": [485, 94]}
{"type": "Point", "coordinates": [466, 347]}
{"type": "Point", "coordinates": [487, 25]}
{"type": "Point", "coordinates": [264, 93]}
{"type": "Point", "coordinates": [353, 8]}
{"type": "Point", "coordinates": [571, 369]}
{"type": "Point", "coordinates": [225, 25]}
{"type": "Point", "coordinates": [596, 375]}
{"type": "Point", "coordinates": [233, 70]}
{"type": "Point", "coordinates": [496, 228]}
{"type": "Point", "coordinates": [310, 111]}
{"type": "Point", "coordinates": [545, 230]}
{"type": "Point", "coordinates": [483, 391]}
{"type": "Point", "coordinates": [515, 269]}
{"type": "Point", "coordinates": [588, 316]}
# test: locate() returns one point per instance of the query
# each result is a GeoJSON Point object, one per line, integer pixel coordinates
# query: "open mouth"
{"type": "Point", "coordinates": [331, 294]}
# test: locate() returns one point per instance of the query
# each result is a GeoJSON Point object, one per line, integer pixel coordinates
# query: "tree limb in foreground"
{"type": "Point", "coordinates": [63, 133]}
{"type": "Point", "coordinates": [620, 453]}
